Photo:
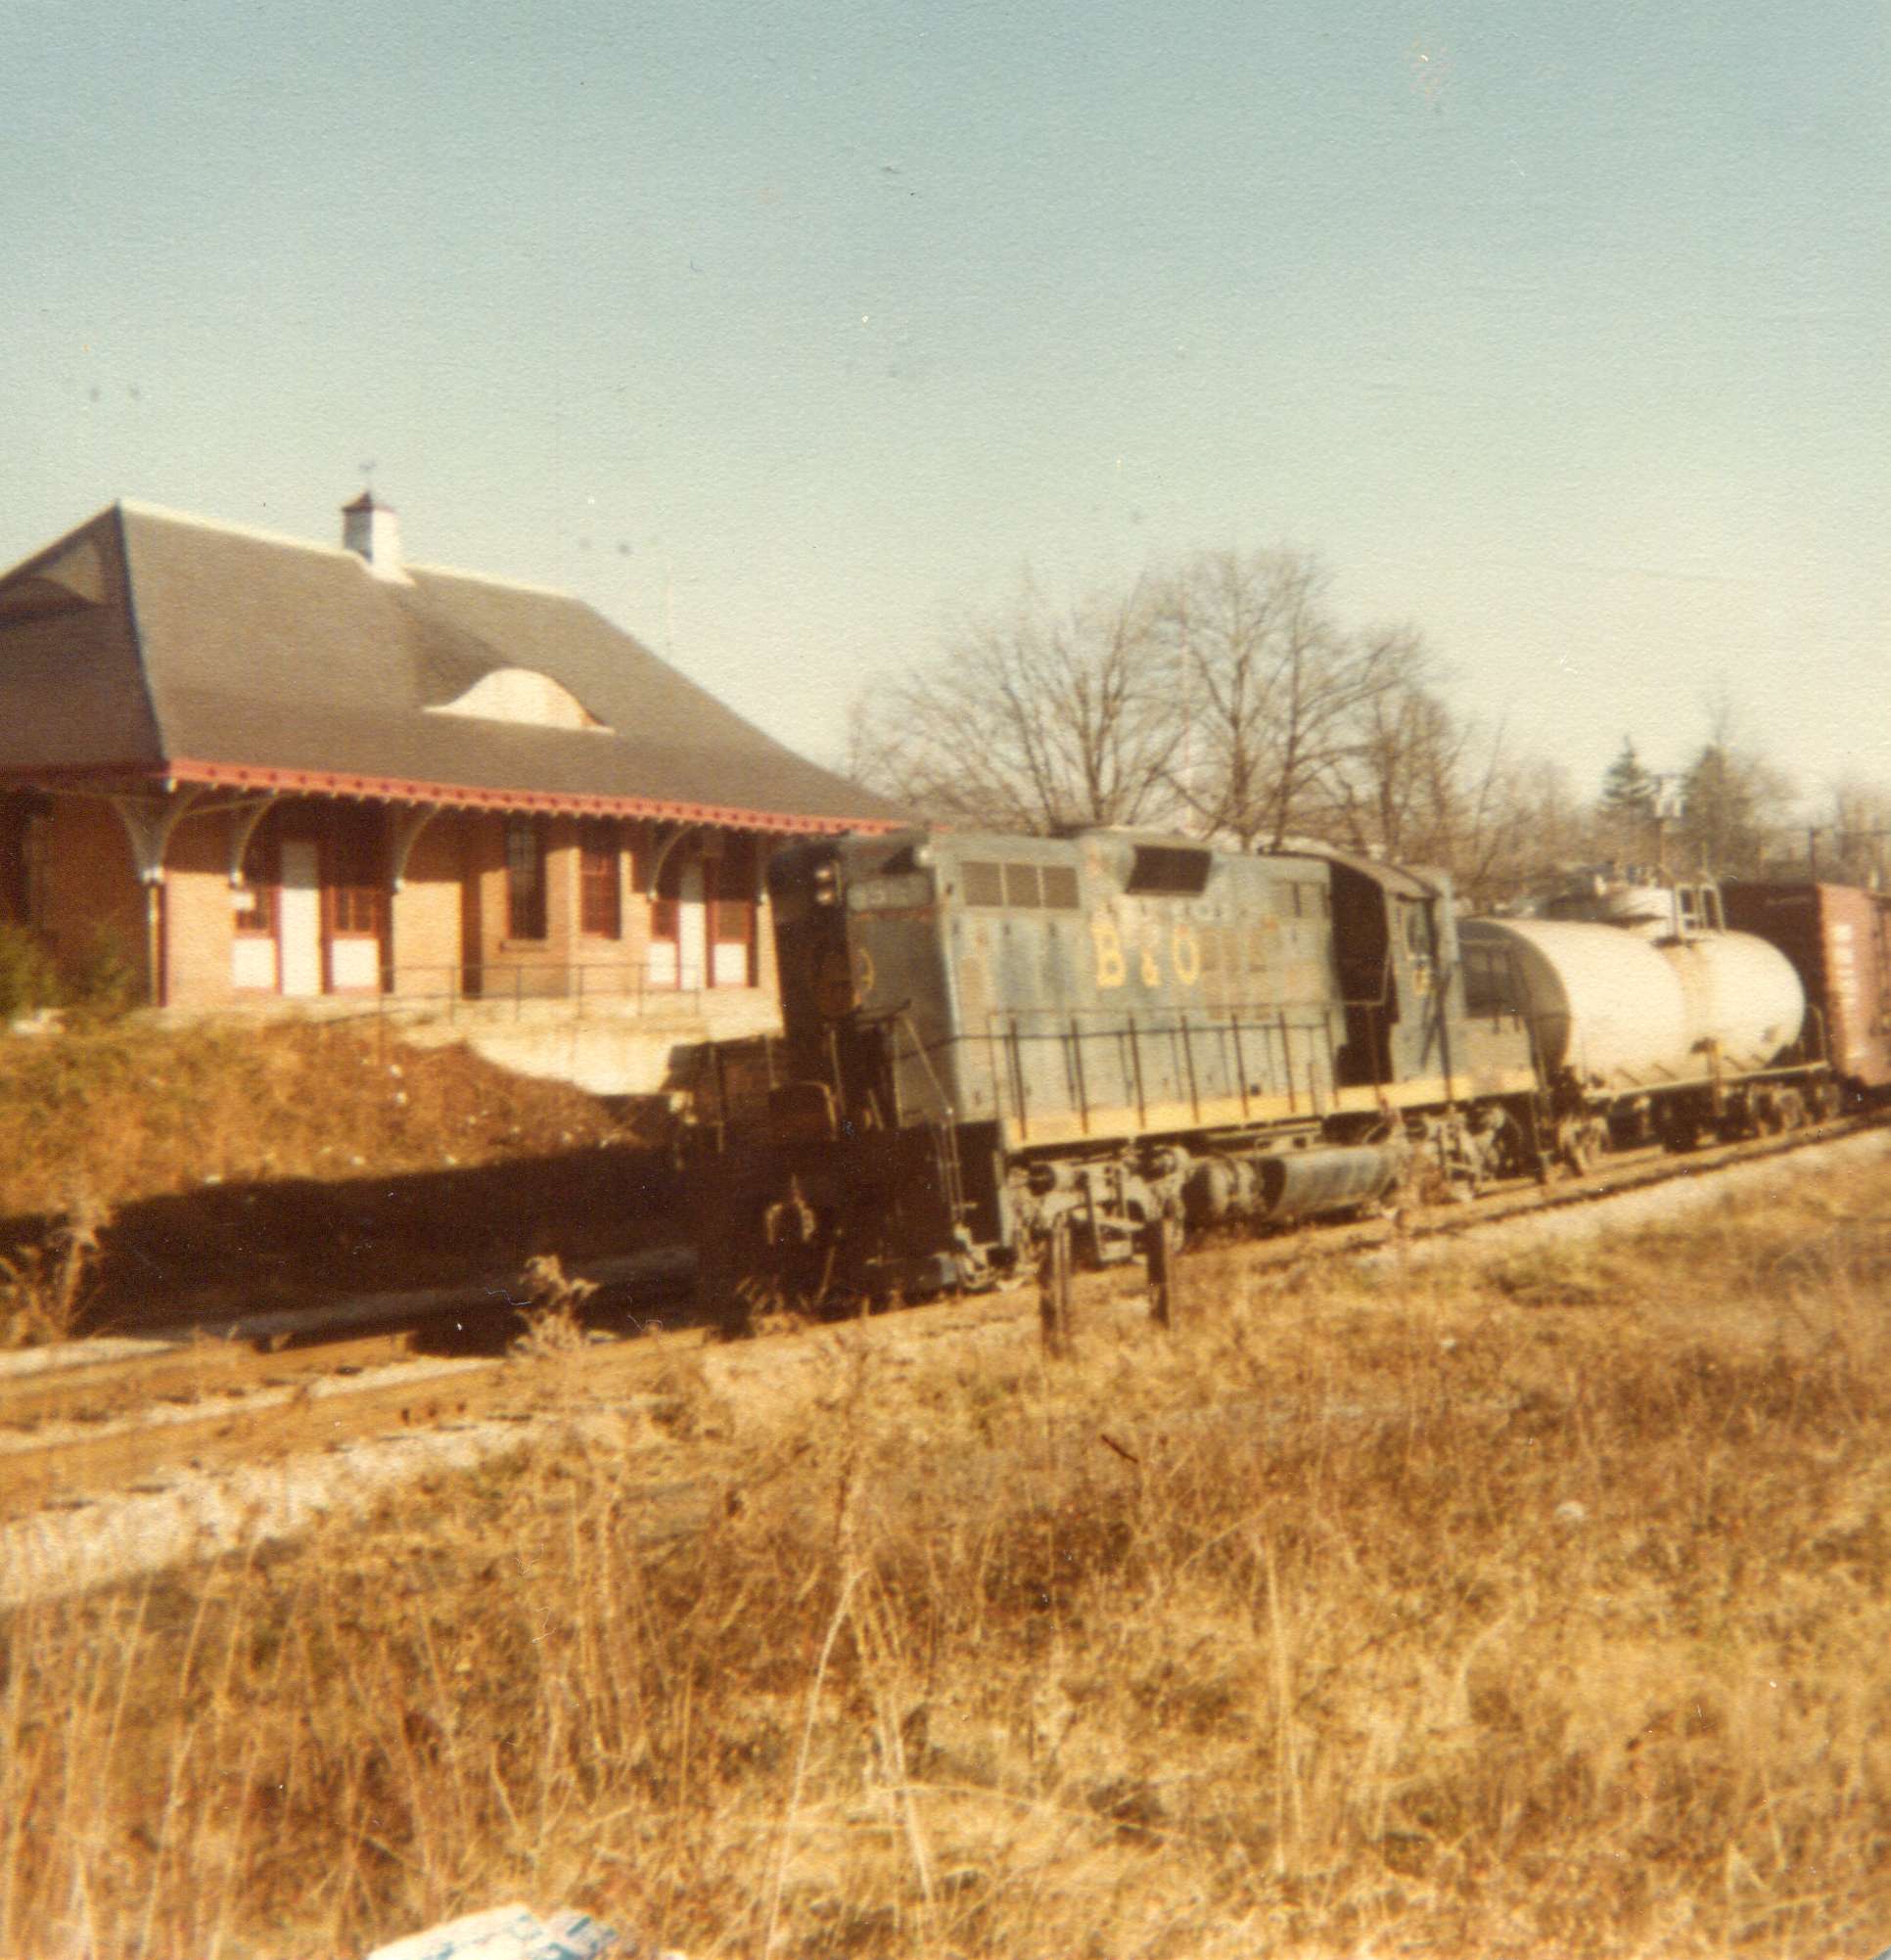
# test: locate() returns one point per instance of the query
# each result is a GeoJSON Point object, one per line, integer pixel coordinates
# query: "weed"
{"type": "Point", "coordinates": [551, 1314]}
{"type": "Point", "coordinates": [43, 1288]}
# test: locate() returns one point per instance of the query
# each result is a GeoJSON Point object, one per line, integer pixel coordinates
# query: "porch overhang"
{"type": "Point", "coordinates": [184, 771]}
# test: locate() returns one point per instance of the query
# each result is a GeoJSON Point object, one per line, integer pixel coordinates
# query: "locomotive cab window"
{"type": "Point", "coordinates": [1488, 981]}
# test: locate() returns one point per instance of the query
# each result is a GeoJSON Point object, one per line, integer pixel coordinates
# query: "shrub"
{"type": "Point", "coordinates": [27, 979]}
{"type": "Point", "coordinates": [99, 979]}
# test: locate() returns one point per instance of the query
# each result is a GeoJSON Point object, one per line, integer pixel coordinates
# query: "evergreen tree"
{"type": "Point", "coordinates": [1628, 790]}
{"type": "Point", "coordinates": [1626, 808]}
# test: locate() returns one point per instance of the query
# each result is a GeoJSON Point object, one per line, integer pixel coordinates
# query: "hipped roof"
{"type": "Point", "coordinates": [152, 645]}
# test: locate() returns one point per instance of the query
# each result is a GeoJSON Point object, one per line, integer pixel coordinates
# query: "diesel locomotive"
{"type": "Point", "coordinates": [1000, 1050]}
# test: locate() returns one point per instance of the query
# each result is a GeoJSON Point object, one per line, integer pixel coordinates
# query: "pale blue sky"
{"type": "Point", "coordinates": [786, 333]}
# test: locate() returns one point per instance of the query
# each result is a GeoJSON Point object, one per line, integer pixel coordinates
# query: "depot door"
{"type": "Point", "coordinates": [299, 916]}
{"type": "Point", "coordinates": [692, 929]}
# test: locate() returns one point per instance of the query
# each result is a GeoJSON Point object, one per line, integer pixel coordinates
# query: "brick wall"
{"type": "Point", "coordinates": [200, 921]}
{"type": "Point", "coordinates": [426, 911]}
{"type": "Point", "coordinates": [92, 893]}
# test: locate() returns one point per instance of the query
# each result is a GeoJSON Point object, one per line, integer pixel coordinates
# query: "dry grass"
{"type": "Point", "coordinates": [1541, 1609]}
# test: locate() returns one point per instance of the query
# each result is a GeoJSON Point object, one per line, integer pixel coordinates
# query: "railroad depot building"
{"type": "Point", "coordinates": [271, 770]}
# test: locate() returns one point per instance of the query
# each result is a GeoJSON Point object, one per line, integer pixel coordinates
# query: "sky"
{"type": "Point", "coordinates": [791, 333]}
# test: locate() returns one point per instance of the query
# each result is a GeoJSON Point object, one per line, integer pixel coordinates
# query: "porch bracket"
{"type": "Point", "coordinates": [245, 819]}
{"type": "Point", "coordinates": [661, 856]}
{"type": "Point", "coordinates": [148, 827]}
{"type": "Point", "coordinates": [407, 830]}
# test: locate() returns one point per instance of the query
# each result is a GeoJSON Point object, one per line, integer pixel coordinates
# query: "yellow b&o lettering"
{"type": "Point", "coordinates": [1109, 951]}
{"type": "Point", "coordinates": [1150, 946]}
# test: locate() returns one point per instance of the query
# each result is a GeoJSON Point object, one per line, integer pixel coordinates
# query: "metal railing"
{"type": "Point", "coordinates": [511, 989]}
{"type": "Point", "coordinates": [579, 986]}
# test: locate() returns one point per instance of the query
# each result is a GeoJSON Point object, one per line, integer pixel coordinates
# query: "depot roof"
{"type": "Point", "coordinates": [151, 645]}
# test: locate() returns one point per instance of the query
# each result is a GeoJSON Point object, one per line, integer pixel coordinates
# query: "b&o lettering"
{"type": "Point", "coordinates": [1110, 969]}
{"type": "Point", "coordinates": [1150, 946]}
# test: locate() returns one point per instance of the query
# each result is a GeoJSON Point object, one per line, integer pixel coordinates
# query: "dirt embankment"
{"type": "Point", "coordinates": [220, 1168]}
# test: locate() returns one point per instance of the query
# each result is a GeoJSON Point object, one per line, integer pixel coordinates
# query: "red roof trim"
{"type": "Point", "coordinates": [319, 782]}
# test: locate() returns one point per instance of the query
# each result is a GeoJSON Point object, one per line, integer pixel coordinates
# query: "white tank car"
{"type": "Point", "coordinates": [1623, 1013]}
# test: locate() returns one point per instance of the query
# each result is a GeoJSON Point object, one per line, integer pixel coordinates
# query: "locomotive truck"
{"type": "Point", "coordinates": [1000, 1050]}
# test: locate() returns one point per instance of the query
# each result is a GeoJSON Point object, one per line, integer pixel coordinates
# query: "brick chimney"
{"type": "Point", "coordinates": [373, 531]}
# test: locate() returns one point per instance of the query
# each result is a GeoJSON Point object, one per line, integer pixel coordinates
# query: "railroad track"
{"type": "Point", "coordinates": [141, 1462]}
{"type": "Point", "coordinates": [275, 1386]}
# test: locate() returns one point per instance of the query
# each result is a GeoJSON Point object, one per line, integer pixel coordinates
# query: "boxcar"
{"type": "Point", "coordinates": [1839, 938]}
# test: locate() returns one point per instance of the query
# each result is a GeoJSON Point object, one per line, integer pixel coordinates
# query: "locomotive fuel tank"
{"type": "Point", "coordinates": [1622, 1012]}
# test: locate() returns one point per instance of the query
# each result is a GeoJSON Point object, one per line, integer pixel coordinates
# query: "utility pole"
{"type": "Point", "coordinates": [1664, 805]}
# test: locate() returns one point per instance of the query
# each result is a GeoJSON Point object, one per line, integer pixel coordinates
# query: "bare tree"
{"type": "Point", "coordinates": [1041, 719]}
{"type": "Point", "coordinates": [1424, 786]}
{"type": "Point", "coordinates": [1271, 690]}
{"type": "Point", "coordinates": [1396, 791]}
{"type": "Point", "coordinates": [1730, 799]}
{"type": "Point", "coordinates": [1858, 828]}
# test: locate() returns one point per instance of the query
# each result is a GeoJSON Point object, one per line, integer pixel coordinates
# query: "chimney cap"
{"type": "Point", "coordinates": [365, 502]}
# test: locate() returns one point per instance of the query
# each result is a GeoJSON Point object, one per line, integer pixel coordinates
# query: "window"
{"type": "Point", "coordinates": [600, 888]}
{"type": "Point", "coordinates": [255, 892]}
{"type": "Point", "coordinates": [1487, 980]}
{"type": "Point", "coordinates": [1417, 930]}
{"type": "Point", "coordinates": [1060, 888]}
{"type": "Point", "coordinates": [734, 898]}
{"type": "Point", "coordinates": [357, 874]}
{"type": "Point", "coordinates": [525, 879]}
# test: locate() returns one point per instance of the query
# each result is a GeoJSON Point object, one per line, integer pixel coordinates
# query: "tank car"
{"type": "Point", "coordinates": [1654, 1018]}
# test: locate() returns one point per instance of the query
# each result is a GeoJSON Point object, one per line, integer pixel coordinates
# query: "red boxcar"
{"type": "Point", "coordinates": [1838, 939]}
